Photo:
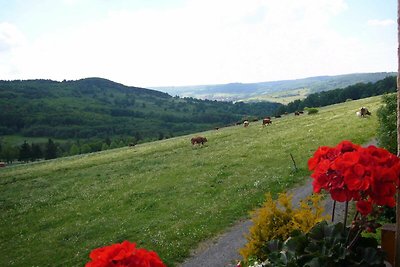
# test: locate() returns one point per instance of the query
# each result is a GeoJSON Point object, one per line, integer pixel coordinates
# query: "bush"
{"type": "Point", "coordinates": [312, 111]}
{"type": "Point", "coordinates": [387, 129]}
{"type": "Point", "coordinates": [271, 222]}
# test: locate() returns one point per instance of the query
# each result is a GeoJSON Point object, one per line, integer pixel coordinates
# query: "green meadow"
{"type": "Point", "coordinates": [167, 195]}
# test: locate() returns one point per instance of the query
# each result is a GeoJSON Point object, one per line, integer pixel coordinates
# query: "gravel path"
{"type": "Point", "coordinates": [222, 251]}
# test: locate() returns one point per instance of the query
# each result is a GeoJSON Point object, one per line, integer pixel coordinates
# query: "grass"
{"type": "Point", "coordinates": [167, 195]}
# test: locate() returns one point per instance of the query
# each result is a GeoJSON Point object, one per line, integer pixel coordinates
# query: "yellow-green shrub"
{"type": "Point", "coordinates": [278, 219]}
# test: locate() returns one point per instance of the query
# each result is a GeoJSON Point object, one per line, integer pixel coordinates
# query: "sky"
{"type": "Point", "coordinates": [151, 43]}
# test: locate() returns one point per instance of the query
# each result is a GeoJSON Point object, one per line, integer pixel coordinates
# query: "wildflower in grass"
{"type": "Point", "coordinates": [124, 254]}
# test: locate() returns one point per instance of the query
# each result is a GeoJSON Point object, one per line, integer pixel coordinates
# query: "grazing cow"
{"type": "Point", "coordinates": [246, 123]}
{"type": "Point", "coordinates": [238, 123]}
{"type": "Point", "coordinates": [131, 144]}
{"type": "Point", "coordinates": [301, 112]}
{"type": "Point", "coordinates": [198, 140]}
{"type": "Point", "coordinates": [267, 121]}
{"type": "Point", "coordinates": [297, 113]}
{"type": "Point", "coordinates": [2, 164]}
{"type": "Point", "coordinates": [364, 111]}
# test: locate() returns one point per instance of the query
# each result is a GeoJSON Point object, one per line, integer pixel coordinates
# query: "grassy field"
{"type": "Point", "coordinates": [167, 195]}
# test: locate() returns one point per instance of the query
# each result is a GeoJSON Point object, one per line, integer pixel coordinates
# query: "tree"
{"type": "Point", "coordinates": [387, 131]}
{"type": "Point", "coordinates": [114, 144]}
{"type": "Point", "coordinates": [9, 153]}
{"type": "Point", "coordinates": [104, 146]}
{"type": "Point", "coordinates": [24, 152]}
{"type": "Point", "coordinates": [107, 141]}
{"type": "Point", "coordinates": [36, 152]}
{"type": "Point", "coordinates": [74, 150]}
{"type": "Point", "coordinates": [86, 149]}
{"type": "Point", "coordinates": [51, 150]}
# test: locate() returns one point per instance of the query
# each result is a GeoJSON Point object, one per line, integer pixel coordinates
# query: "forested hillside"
{"type": "Point", "coordinates": [352, 92]}
{"type": "Point", "coordinates": [99, 108]}
{"type": "Point", "coordinates": [258, 91]}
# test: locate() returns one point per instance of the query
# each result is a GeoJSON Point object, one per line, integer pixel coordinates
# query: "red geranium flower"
{"type": "Point", "coordinates": [364, 207]}
{"type": "Point", "coordinates": [350, 172]}
{"type": "Point", "coordinates": [123, 254]}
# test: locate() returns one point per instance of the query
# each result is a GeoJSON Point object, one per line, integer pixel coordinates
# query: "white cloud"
{"type": "Point", "coordinates": [377, 22]}
{"type": "Point", "coordinates": [203, 41]}
{"type": "Point", "coordinates": [10, 36]}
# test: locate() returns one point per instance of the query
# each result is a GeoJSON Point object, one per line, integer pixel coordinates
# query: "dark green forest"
{"type": "Point", "coordinates": [99, 108]}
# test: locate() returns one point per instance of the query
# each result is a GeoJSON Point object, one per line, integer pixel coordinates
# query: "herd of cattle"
{"type": "Point", "coordinates": [266, 121]}
{"type": "Point", "coordinates": [363, 112]}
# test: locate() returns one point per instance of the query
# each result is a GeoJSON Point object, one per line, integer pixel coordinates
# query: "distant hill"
{"type": "Point", "coordinates": [99, 108]}
{"type": "Point", "coordinates": [274, 91]}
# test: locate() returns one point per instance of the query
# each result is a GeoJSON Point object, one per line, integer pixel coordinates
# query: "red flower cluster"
{"type": "Point", "coordinates": [123, 255]}
{"type": "Point", "coordinates": [350, 172]}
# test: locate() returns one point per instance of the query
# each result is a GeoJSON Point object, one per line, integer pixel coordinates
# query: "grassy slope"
{"type": "Point", "coordinates": [166, 195]}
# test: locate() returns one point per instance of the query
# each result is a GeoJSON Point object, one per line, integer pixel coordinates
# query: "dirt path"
{"type": "Point", "coordinates": [223, 250]}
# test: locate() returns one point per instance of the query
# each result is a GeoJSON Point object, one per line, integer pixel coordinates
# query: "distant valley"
{"type": "Point", "coordinates": [275, 91]}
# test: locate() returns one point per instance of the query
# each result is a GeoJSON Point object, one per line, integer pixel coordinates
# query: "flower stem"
{"type": "Point", "coordinates": [354, 239]}
{"type": "Point", "coordinates": [333, 210]}
{"type": "Point", "coordinates": [352, 229]}
{"type": "Point", "coordinates": [345, 215]}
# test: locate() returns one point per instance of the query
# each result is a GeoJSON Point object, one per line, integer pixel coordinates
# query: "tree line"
{"type": "Point", "coordinates": [29, 152]}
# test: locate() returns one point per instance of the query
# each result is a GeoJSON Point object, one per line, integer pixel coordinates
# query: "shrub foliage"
{"type": "Point", "coordinates": [387, 130]}
{"type": "Point", "coordinates": [276, 220]}
{"type": "Point", "coordinates": [324, 245]}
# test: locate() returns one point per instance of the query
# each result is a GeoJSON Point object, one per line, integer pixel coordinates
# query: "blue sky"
{"type": "Point", "coordinates": [187, 42]}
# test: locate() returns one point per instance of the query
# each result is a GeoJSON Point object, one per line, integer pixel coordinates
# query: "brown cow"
{"type": "Point", "coordinates": [198, 140]}
{"type": "Point", "coordinates": [364, 111]}
{"type": "Point", "coordinates": [267, 121]}
{"type": "Point", "coordinates": [2, 164]}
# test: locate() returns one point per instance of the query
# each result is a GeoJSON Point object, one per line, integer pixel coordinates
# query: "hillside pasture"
{"type": "Point", "coordinates": [166, 195]}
